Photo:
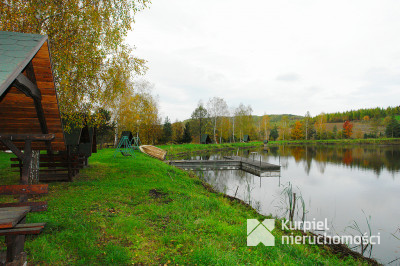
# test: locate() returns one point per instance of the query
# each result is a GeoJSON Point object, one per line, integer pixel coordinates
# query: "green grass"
{"type": "Point", "coordinates": [186, 148]}
{"type": "Point", "coordinates": [140, 210]}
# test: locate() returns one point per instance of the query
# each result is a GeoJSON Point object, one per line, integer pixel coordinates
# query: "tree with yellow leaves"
{"type": "Point", "coordinates": [91, 63]}
{"type": "Point", "coordinates": [320, 127]}
{"type": "Point", "coordinates": [285, 128]}
{"type": "Point", "coordinates": [177, 131]}
{"type": "Point", "coordinates": [225, 125]}
{"type": "Point", "coordinates": [137, 111]}
{"type": "Point", "coordinates": [266, 125]}
{"type": "Point", "coordinates": [297, 132]}
{"type": "Point", "coordinates": [243, 120]}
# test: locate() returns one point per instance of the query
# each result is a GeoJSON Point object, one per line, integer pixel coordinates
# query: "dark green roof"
{"type": "Point", "coordinates": [127, 134]}
{"type": "Point", "coordinates": [205, 138]}
{"type": "Point", "coordinates": [73, 136]}
{"type": "Point", "coordinates": [16, 51]}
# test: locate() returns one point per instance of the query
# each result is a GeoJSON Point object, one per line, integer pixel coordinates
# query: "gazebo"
{"type": "Point", "coordinates": [30, 122]}
{"type": "Point", "coordinates": [29, 113]}
{"type": "Point", "coordinates": [29, 104]}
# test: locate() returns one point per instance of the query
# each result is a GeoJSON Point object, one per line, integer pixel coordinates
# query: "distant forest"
{"type": "Point", "coordinates": [227, 124]}
{"type": "Point", "coordinates": [359, 114]}
{"type": "Point", "coordinates": [363, 114]}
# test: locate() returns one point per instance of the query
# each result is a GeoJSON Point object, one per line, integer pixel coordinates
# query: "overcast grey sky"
{"type": "Point", "coordinates": [285, 56]}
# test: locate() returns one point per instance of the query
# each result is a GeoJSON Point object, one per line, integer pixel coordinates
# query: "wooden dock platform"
{"type": "Point", "coordinates": [254, 167]}
{"type": "Point", "coordinates": [260, 164]}
{"type": "Point", "coordinates": [207, 164]}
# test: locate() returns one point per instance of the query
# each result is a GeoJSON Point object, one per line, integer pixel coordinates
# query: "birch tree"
{"type": "Point", "coordinates": [243, 119]}
{"type": "Point", "coordinates": [284, 127]}
{"type": "Point", "coordinates": [265, 123]}
{"type": "Point", "coordinates": [90, 60]}
{"type": "Point", "coordinates": [216, 108]}
{"type": "Point", "coordinates": [307, 124]}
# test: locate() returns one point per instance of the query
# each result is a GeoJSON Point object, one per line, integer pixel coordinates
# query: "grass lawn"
{"type": "Point", "coordinates": [141, 210]}
{"type": "Point", "coordinates": [174, 149]}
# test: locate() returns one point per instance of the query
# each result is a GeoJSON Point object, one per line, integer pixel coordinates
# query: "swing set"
{"type": "Point", "coordinates": [127, 144]}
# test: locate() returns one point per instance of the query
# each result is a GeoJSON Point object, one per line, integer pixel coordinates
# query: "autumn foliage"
{"type": "Point", "coordinates": [90, 60]}
{"type": "Point", "coordinates": [347, 129]}
{"type": "Point", "coordinates": [297, 132]}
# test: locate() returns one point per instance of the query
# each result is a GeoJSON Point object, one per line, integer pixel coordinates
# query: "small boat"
{"type": "Point", "coordinates": [153, 151]}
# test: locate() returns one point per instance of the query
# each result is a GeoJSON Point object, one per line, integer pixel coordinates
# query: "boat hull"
{"type": "Point", "coordinates": [153, 151]}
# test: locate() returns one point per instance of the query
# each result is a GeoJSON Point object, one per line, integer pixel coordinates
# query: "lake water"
{"type": "Point", "coordinates": [346, 185]}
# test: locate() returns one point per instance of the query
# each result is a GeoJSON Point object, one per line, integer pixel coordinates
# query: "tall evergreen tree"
{"type": "Point", "coordinates": [334, 131]}
{"type": "Point", "coordinates": [187, 137]}
{"type": "Point", "coordinates": [393, 128]}
{"type": "Point", "coordinates": [273, 135]}
{"type": "Point", "coordinates": [199, 116]}
{"type": "Point", "coordinates": [167, 130]}
{"type": "Point", "coordinates": [105, 127]}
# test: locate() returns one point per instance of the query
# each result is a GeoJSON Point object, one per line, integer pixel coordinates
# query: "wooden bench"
{"type": "Point", "coordinates": [24, 191]}
{"type": "Point", "coordinates": [13, 215]}
{"type": "Point", "coordinates": [55, 167]}
{"type": "Point", "coordinates": [23, 229]}
{"type": "Point", "coordinates": [14, 230]}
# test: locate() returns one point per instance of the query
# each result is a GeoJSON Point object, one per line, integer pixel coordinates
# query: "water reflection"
{"type": "Point", "coordinates": [339, 183]}
{"type": "Point", "coordinates": [371, 157]}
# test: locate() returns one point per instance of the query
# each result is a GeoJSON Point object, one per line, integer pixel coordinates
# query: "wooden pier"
{"type": "Point", "coordinates": [254, 167]}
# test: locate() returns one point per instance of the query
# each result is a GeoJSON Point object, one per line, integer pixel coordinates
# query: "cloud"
{"type": "Point", "coordinates": [288, 77]}
{"type": "Point", "coordinates": [277, 56]}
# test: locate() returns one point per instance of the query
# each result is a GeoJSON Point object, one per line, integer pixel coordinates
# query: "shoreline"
{"type": "Point", "coordinates": [183, 149]}
{"type": "Point", "coordinates": [382, 141]}
{"type": "Point", "coordinates": [338, 249]}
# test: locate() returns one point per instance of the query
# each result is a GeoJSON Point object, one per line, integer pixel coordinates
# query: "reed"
{"type": "Point", "coordinates": [356, 230]}
{"type": "Point", "coordinates": [292, 203]}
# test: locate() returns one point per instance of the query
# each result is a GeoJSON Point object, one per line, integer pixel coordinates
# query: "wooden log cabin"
{"type": "Point", "coordinates": [29, 114]}
{"type": "Point", "coordinates": [31, 127]}
{"type": "Point", "coordinates": [29, 122]}
{"type": "Point", "coordinates": [28, 104]}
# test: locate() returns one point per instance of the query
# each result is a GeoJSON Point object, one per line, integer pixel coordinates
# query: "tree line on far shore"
{"type": "Point", "coordinates": [226, 124]}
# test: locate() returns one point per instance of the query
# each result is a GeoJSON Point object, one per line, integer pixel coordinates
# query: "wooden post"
{"type": "Point", "coordinates": [20, 168]}
{"type": "Point", "coordinates": [26, 162]}
{"type": "Point", "coordinates": [69, 161]}
{"type": "Point", "coordinates": [15, 244]}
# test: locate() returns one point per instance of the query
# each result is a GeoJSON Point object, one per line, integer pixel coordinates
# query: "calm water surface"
{"type": "Point", "coordinates": [344, 184]}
